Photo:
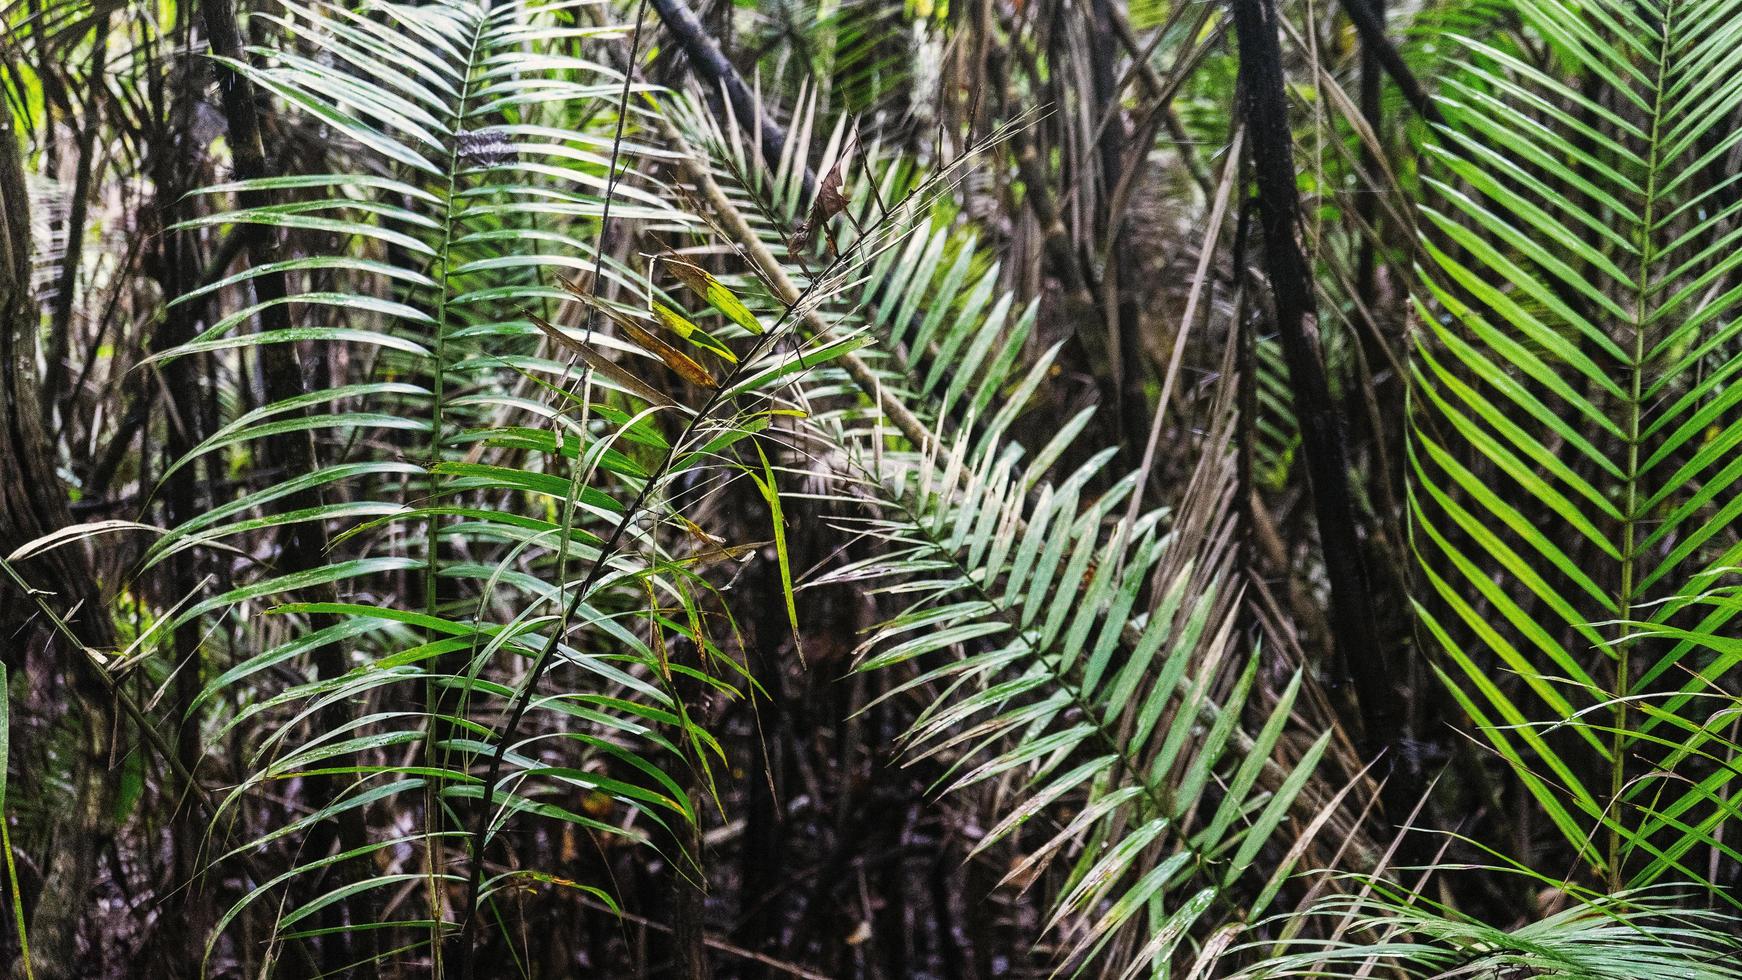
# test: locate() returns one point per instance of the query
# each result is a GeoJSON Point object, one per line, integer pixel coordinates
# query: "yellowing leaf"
{"type": "Point", "coordinates": [677, 323]}
{"type": "Point", "coordinates": [710, 289]}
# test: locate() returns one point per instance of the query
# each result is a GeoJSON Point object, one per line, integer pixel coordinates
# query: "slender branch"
{"type": "Point", "coordinates": [1161, 92]}
{"type": "Point", "coordinates": [54, 393]}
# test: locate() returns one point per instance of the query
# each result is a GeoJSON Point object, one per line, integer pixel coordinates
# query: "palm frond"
{"type": "Point", "coordinates": [1627, 936]}
{"type": "Point", "coordinates": [506, 584]}
{"type": "Point", "coordinates": [1085, 662]}
{"type": "Point", "coordinates": [1574, 489]}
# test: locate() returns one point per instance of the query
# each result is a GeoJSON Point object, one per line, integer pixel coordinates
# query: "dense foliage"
{"type": "Point", "coordinates": [860, 488]}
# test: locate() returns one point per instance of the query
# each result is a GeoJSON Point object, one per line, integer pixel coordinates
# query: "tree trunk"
{"type": "Point", "coordinates": [30, 506]}
{"type": "Point", "coordinates": [1357, 649]}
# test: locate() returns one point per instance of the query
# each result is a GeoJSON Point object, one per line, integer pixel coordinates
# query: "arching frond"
{"type": "Point", "coordinates": [1627, 936]}
{"type": "Point", "coordinates": [1084, 660]}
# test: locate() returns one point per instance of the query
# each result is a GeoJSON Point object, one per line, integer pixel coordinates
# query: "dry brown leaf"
{"type": "Point", "coordinates": [829, 202]}
{"type": "Point", "coordinates": [602, 364]}
{"type": "Point", "coordinates": [675, 359]}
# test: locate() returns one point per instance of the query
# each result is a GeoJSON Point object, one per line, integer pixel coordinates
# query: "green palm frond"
{"type": "Point", "coordinates": [1574, 478]}
{"type": "Point", "coordinates": [1090, 652]}
{"type": "Point", "coordinates": [513, 583]}
{"type": "Point", "coordinates": [1090, 649]}
{"type": "Point", "coordinates": [1086, 662]}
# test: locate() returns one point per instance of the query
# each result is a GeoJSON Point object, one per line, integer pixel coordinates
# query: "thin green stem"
{"type": "Point", "coordinates": [1619, 739]}
{"type": "Point", "coordinates": [432, 524]}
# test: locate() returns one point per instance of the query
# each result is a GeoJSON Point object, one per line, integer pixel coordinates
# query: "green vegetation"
{"type": "Point", "coordinates": [551, 488]}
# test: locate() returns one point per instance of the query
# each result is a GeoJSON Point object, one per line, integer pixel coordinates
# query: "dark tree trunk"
{"type": "Point", "coordinates": [1357, 649]}
{"type": "Point", "coordinates": [30, 506]}
{"type": "Point", "coordinates": [717, 74]}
